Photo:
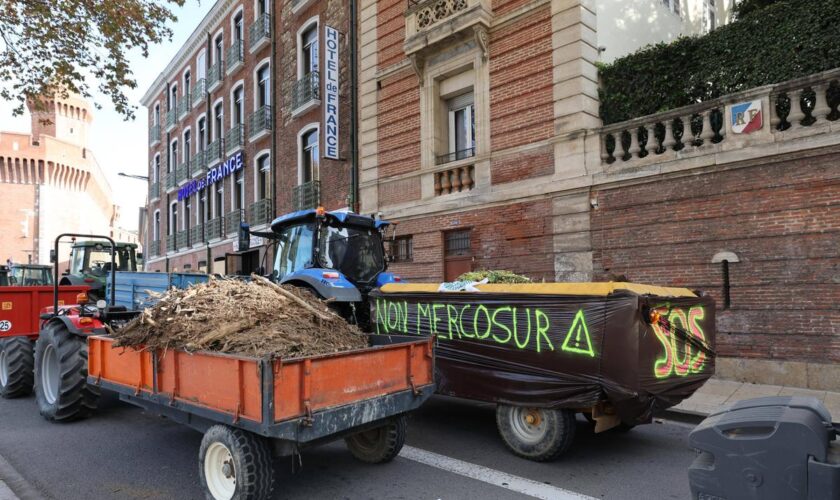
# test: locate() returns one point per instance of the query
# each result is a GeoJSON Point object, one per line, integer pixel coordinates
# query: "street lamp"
{"type": "Point", "coordinates": [132, 176]}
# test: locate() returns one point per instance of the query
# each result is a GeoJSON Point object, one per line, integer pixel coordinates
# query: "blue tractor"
{"type": "Point", "coordinates": [338, 256]}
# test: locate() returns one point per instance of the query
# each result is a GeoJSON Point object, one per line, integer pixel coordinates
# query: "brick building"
{"type": "Point", "coordinates": [480, 134]}
{"type": "Point", "coordinates": [232, 102]}
{"type": "Point", "coordinates": [51, 182]}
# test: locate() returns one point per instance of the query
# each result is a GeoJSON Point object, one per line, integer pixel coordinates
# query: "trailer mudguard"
{"type": "Point", "coordinates": [339, 288]}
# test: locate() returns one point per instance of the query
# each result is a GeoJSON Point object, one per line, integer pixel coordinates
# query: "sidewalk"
{"type": "Point", "coordinates": [716, 393]}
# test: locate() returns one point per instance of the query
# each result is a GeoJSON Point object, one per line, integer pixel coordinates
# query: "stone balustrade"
{"type": "Point", "coordinates": [706, 127]}
{"type": "Point", "coordinates": [455, 180]}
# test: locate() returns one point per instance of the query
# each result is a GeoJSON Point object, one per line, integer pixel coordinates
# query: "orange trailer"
{"type": "Point", "coordinates": [285, 404]}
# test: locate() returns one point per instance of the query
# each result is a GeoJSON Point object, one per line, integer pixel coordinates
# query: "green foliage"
{"type": "Point", "coordinates": [494, 277]}
{"type": "Point", "coordinates": [779, 42]}
{"type": "Point", "coordinates": [745, 7]}
{"type": "Point", "coordinates": [55, 46]}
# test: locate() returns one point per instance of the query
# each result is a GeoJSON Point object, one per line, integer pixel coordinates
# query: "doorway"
{"type": "Point", "coordinates": [457, 253]}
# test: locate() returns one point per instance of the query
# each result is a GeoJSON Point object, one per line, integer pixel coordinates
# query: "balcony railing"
{"type": "Point", "coordinates": [234, 138]}
{"type": "Point", "coordinates": [455, 180]}
{"type": "Point", "coordinates": [184, 106]}
{"type": "Point", "coordinates": [154, 190]}
{"type": "Point", "coordinates": [306, 90]}
{"type": "Point", "coordinates": [170, 180]}
{"type": "Point", "coordinates": [182, 239]}
{"type": "Point", "coordinates": [428, 22]}
{"type": "Point", "coordinates": [214, 76]}
{"type": "Point", "coordinates": [457, 155]}
{"type": "Point", "coordinates": [154, 248]}
{"type": "Point", "coordinates": [213, 229]}
{"type": "Point", "coordinates": [182, 172]}
{"type": "Point", "coordinates": [235, 55]}
{"type": "Point", "coordinates": [259, 121]}
{"type": "Point", "coordinates": [306, 195]}
{"type": "Point", "coordinates": [171, 119]}
{"type": "Point", "coordinates": [214, 152]}
{"type": "Point", "coordinates": [154, 135]}
{"type": "Point", "coordinates": [260, 212]}
{"type": "Point", "coordinates": [197, 234]}
{"type": "Point", "coordinates": [199, 91]}
{"type": "Point", "coordinates": [260, 32]}
{"type": "Point", "coordinates": [170, 243]}
{"type": "Point", "coordinates": [198, 164]}
{"type": "Point", "coordinates": [232, 220]}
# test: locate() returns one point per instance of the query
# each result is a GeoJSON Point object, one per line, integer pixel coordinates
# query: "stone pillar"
{"type": "Point", "coordinates": [574, 43]}
{"type": "Point", "coordinates": [572, 239]}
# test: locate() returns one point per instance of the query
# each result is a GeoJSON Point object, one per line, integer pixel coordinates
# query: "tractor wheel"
{"type": "Point", "coordinates": [538, 434]}
{"type": "Point", "coordinates": [16, 367]}
{"type": "Point", "coordinates": [379, 445]}
{"type": "Point", "coordinates": [235, 464]}
{"type": "Point", "coordinates": [61, 387]}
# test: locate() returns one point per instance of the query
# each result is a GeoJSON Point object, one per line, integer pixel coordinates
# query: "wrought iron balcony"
{"type": "Point", "coordinates": [260, 32]}
{"type": "Point", "coordinates": [182, 172]}
{"type": "Point", "coordinates": [214, 76]}
{"type": "Point", "coordinates": [234, 138]}
{"type": "Point", "coordinates": [171, 119]}
{"type": "Point", "coordinates": [199, 91]}
{"type": "Point", "coordinates": [428, 22]}
{"type": "Point", "coordinates": [260, 212]}
{"type": "Point", "coordinates": [197, 234]}
{"type": "Point", "coordinates": [307, 195]}
{"type": "Point", "coordinates": [214, 152]}
{"type": "Point", "coordinates": [154, 190]}
{"type": "Point", "coordinates": [455, 156]}
{"type": "Point", "coordinates": [259, 121]}
{"type": "Point", "coordinates": [198, 164]}
{"type": "Point", "coordinates": [232, 220]}
{"type": "Point", "coordinates": [184, 106]}
{"type": "Point", "coordinates": [170, 180]}
{"type": "Point", "coordinates": [213, 229]}
{"type": "Point", "coordinates": [154, 248]}
{"type": "Point", "coordinates": [235, 55]}
{"type": "Point", "coordinates": [170, 243]}
{"type": "Point", "coordinates": [182, 239]}
{"type": "Point", "coordinates": [306, 90]}
{"type": "Point", "coordinates": [154, 135]}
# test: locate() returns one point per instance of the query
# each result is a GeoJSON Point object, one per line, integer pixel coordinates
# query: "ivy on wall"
{"type": "Point", "coordinates": [779, 42]}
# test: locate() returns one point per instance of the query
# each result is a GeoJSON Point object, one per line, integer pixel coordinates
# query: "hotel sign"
{"type": "Point", "coordinates": [331, 94]}
{"type": "Point", "coordinates": [233, 164]}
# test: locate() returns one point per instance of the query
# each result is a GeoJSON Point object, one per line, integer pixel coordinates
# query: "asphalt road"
{"type": "Point", "coordinates": [124, 453]}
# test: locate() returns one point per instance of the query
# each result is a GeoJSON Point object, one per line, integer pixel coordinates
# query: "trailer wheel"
{"type": "Point", "coordinates": [538, 434]}
{"type": "Point", "coordinates": [381, 444]}
{"type": "Point", "coordinates": [235, 464]}
{"type": "Point", "coordinates": [16, 367]}
{"type": "Point", "coordinates": [61, 387]}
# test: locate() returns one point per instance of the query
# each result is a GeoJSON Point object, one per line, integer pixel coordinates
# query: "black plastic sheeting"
{"type": "Point", "coordinates": [561, 351]}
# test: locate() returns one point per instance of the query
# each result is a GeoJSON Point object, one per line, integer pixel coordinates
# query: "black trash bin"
{"type": "Point", "coordinates": [766, 448]}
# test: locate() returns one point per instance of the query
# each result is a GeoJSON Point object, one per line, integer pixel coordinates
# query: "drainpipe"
{"type": "Point", "coordinates": [168, 167]}
{"type": "Point", "coordinates": [354, 98]}
{"type": "Point", "coordinates": [207, 121]}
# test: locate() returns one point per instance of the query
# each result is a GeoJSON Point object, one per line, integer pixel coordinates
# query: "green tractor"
{"type": "Point", "coordinates": [30, 275]}
{"type": "Point", "coordinates": [90, 264]}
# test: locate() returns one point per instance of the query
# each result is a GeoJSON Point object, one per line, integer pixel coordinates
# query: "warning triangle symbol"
{"type": "Point", "coordinates": [578, 340]}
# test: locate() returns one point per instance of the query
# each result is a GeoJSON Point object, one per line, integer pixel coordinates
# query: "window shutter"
{"type": "Point", "coordinates": [461, 101]}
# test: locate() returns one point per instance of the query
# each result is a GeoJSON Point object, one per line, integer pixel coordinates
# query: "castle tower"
{"type": "Point", "coordinates": [66, 119]}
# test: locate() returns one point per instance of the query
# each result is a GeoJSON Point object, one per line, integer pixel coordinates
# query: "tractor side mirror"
{"type": "Point", "coordinates": [52, 256]}
{"type": "Point", "coordinates": [244, 236]}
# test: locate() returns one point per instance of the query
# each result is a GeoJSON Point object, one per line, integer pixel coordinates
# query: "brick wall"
{"type": "Point", "coordinates": [399, 124]}
{"type": "Point", "coordinates": [782, 220]}
{"type": "Point", "coordinates": [517, 237]}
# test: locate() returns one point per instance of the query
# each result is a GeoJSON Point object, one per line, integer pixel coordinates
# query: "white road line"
{"type": "Point", "coordinates": [495, 477]}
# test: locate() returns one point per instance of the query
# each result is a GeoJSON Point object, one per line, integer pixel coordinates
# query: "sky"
{"type": "Point", "coordinates": [120, 145]}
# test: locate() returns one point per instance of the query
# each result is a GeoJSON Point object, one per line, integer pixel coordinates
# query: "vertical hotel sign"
{"type": "Point", "coordinates": [331, 94]}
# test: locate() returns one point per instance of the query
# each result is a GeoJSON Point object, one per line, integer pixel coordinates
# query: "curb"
{"type": "Point", "coordinates": [19, 487]}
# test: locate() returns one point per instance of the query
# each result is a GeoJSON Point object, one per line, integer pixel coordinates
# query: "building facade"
{"type": "Point", "coordinates": [480, 134]}
{"type": "Point", "coordinates": [236, 99]}
{"type": "Point", "coordinates": [51, 182]}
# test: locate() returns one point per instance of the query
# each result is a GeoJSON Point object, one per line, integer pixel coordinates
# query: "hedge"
{"type": "Point", "coordinates": [779, 42]}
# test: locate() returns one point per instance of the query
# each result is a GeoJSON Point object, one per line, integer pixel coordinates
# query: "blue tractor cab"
{"type": "Point", "coordinates": [340, 256]}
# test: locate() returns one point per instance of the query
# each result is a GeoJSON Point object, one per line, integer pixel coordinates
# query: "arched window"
{"type": "Point", "coordinates": [156, 226]}
{"type": "Point", "coordinates": [263, 97]}
{"type": "Point", "coordinates": [263, 176]}
{"type": "Point", "coordinates": [173, 219]}
{"type": "Point", "coordinates": [309, 155]}
{"type": "Point", "coordinates": [238, 106]}
{"type": "Point", "coordinates": [308, 55]}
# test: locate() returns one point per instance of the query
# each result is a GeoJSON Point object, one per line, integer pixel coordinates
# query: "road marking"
{"type": "Point", "coordinates": [495, 477]}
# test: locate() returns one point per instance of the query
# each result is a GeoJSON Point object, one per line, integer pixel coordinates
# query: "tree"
{"type": "Point", "coordinates": [744, 7]}
{"type": "Point", "coordinates": [52, 47]}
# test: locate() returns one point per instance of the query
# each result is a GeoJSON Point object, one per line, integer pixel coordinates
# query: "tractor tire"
{"type": "Point", "coordinates": [61, 387]}
{"type": "Point", "coordinates": [381, 444]}
{"type": "Point", "coordinates": [17, 361]}
{"type": "Point", "coordinates": [235, 465]}
{"type": "Point", "coordinates": [538, 434]}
